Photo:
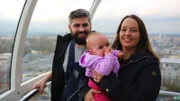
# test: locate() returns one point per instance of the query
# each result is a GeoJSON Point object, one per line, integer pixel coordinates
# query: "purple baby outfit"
{"type": "Point", "coordinates": [102, 65]}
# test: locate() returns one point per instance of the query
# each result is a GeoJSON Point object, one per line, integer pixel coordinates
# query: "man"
{"type": "Point", "coordinates": [66, 72]}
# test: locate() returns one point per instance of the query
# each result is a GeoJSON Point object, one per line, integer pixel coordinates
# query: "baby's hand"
{"type": "Point", "coordinates": [108, 50]}
{"type": "Point", "coordinates": [97, 77]}
{"type": "Point", "coordinates": [120, 54]}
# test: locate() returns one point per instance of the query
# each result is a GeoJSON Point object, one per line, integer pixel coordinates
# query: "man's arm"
{"type": "Point", "coordinates": [41, 84]}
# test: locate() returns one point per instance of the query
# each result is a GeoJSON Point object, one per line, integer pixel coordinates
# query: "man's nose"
{"type": "Point", "coordinates": [81, 28]}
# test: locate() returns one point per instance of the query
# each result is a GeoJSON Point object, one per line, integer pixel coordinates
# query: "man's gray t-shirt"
{"type": "Point", "coordinates": [78, 53]}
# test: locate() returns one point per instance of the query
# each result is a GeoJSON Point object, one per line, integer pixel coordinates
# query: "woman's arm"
{"type": "Point", "coordinates": [145, 87]}
{"type": "Point", "coordinates": [85, 92]}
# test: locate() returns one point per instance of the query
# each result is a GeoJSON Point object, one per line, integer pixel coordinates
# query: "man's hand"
{"type": "Point", "coordinates": [89, 95]}
{"type": "Point", "coordinates": [40, 85]}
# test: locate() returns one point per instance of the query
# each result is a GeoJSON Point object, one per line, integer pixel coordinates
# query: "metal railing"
{"type": "Point", "coordinates": [33, 92]}
{"type": "Point", "coordinates": [29, 95]}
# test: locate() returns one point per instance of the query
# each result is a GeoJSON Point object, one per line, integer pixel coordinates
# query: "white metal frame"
{"type": "Point", "coordinates": [94, 7]}
{"type": "Point", "coordinates": [17, 88]}
{"type": "Point", "coordinates": [16, 91]}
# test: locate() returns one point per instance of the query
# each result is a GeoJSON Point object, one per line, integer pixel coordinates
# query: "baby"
{"type": "Point", "coordinates": [101, 58]}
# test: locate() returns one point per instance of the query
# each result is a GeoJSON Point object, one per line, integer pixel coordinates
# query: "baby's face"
{"type": "Point", "coordinates": [99, 45]}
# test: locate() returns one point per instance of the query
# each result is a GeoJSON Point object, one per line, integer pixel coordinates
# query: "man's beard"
{"type": "Point", "coordinates": [81, 40]}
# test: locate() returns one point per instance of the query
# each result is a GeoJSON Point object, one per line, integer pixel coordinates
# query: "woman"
{"type": "Point", "coordinates": [139, 77]}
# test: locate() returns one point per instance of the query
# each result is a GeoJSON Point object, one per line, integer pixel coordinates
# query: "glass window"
{"type": "Point", "coordinates": [162, 20]}
{"type": "Point", "coordinates": [48, 20]}
{"type": "Point", "coordinates": [10, 11]}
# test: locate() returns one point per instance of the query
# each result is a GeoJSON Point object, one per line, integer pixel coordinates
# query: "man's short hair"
{"type": "Point", "coordinates": [79, 13]}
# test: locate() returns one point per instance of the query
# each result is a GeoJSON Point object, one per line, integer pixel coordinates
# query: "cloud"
{"type": "Point", "coordinates": [119, 8]}
{"type": "Point", "coordinates": [54, 10]}
{"type": "Point", "coordinates": [158, 15]}
{"type": "Point", "coordinates": [157, 8]}
{"type": "Point", "coordinates": [153, 25]}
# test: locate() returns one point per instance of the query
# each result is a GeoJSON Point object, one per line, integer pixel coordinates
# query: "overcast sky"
{"type": "Point", "coordinates": [159, 16]}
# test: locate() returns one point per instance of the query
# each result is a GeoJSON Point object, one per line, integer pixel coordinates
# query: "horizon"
{"type": "Point", "coordinates": [62, 33]}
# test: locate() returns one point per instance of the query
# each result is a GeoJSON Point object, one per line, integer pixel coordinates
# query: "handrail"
{"type": "Point", "coordinates": [169, 93]}
{"type": "Point", "coordinates": [33, 92]}
{"type": "Point", "coordinates": [29, 95]}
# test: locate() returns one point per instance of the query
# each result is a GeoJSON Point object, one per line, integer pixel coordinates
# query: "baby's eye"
{"type": "Point", "coordinates": [107, 44]}
{"type": "Point", "coordinates": [100, 47]}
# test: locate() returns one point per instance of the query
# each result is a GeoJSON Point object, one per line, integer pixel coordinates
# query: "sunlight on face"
{"type": "Point", "coordinates": [129, 34]}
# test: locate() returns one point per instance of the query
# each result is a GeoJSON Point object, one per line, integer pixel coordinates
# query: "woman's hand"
{"type": "Point", "coordinates": [120, 54]}
{"type": "Point", "coordinates": [89, 95]}
{"type": "Point", "coordinates": [97, 77]}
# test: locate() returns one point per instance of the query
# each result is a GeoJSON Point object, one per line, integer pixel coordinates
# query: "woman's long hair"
{"type": "Point", "coordinates": [144, 44]}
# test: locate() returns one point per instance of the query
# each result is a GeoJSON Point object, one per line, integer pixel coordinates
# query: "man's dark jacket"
{"type": "Point", "coordinates": [57, 80]}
